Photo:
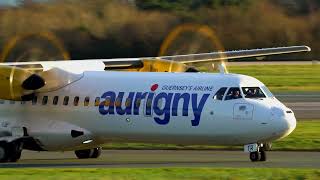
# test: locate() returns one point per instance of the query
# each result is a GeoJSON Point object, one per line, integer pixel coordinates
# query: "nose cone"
{"type": "Point", "coordinates": [289, 123]}
{"type": "Point", "coordinates": [285, 120]}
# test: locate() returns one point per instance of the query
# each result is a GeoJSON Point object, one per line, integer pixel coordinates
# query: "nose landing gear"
{"type": "Point", "coordinates": [258, 156]}
{"type": "Point", "coordinates": [257, 151]}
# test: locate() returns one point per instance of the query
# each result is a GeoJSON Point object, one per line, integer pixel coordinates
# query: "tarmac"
{"type": "Point", "coordinates": [166, 158]}
{"type": "Point", "coordinates": [304, 105]}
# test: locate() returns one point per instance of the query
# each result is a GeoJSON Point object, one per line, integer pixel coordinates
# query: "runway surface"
{"type": "Point", "coordinates": [305, 110]}
{"type": "Point", "coordinates": [166, 158]}
{"type": "Point", "coordinates": [305, 106]}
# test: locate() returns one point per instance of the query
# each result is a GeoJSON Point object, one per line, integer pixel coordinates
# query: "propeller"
{"type": "Point", "coordinates": [192, 39]}
{"type": "Point", "coordinates": [22, 82]}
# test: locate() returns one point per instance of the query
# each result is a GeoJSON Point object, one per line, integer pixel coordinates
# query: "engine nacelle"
{"type": "Point", "coordinates": [60, 136]}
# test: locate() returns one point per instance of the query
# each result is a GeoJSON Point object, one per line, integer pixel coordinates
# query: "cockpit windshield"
{"type": "Point", "coordinates": [233, 93]}
{"type": "Point", "coordinates": [267, 91]}
{"type": "Point", "coordinates": [253, 92]}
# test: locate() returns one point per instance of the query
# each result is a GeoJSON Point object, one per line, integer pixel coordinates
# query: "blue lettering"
{"type": "Point", "coordinates": [137, 102]}
{"type": "Point", "coordinates": [163, 105]}
{"type": "Point", "coordinates": [175, 104]}
{"type": "Point", "coordinates": [197, 108]}
{"type": "Point", "coordinates": [109, 102]}
{"type": "Point", "coordinates": [149, 104]}
{"type": "Point", "coordinates": [128, 104]}
{"type": "Point", "coordinates": [165, 110]}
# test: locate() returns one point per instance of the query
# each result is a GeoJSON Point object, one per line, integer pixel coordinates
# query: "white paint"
{"type": "Point", "coordinates": [219, 124]}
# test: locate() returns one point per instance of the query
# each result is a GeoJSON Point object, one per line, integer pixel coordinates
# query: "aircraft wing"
{"type": "Point", "coordinates": [178, 63]}
{"type": "Point", "coordinates": [19, 81]}
{"type": "Point", "coordinates": [218, 56]}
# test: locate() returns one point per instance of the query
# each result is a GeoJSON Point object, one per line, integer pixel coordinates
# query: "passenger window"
{"type": "Point", "coordinates": [118, 102]}
{"type": "Point", "coordinates": [2, 101]}
{"type": "Point", "coordinates": [138, 102]}
{"type": "Point", "coordinates": [34, 100]}
{"type": "Point", "coordinates": [233, 93]}
{"type": "Point", "coordinates": [86, 101]}
{"type": "Point", "coordinates": [76, 101]}
{"type": "Point", "coordinates": [149, 103]}
{"type": "Point", "coordinates": [128, 102]}
{"type": "Point", "coordinates": [55, 100]}
{"type": "Point", "coordinates": [107, 102]}
{"type": "Point", "coordinates": [66, 100]}
{"type": "Point", "coordinates": [253, 92]}
{"type": "Point", "coordinates": [44, 100]}
{"type": "Point", "coordinates": [97, 101]}
{"type": "Point", "coordinates": [220, 93]}
{"type": "Point", "coordinates": [12, 102]}
{"type": "Point", "coordinates": [23, 102]}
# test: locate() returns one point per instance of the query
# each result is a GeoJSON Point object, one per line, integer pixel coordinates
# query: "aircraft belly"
{"type": "Point", "coordinates": [179, 131]}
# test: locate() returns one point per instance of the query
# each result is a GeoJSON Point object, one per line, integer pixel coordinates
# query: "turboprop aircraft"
{"type": "Point", "coordinates": [80, 105]}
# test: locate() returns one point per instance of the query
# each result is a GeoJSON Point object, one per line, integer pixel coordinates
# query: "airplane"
{"type": "Point", "coordinates": [79, 105]}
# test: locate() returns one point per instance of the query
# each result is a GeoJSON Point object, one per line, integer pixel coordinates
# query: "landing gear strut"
{"type": "Point", "coordinates": [10, 152]}
{"type": "Point", "coordinates": [257, 151]}
{"type": "Point", "coordinates": [88, 153]}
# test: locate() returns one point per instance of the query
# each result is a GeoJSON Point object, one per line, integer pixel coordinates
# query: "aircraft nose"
{"type": "Point", "coordinates": [286, 121]}
{"type": "Point", "coordinates": [289, 121]}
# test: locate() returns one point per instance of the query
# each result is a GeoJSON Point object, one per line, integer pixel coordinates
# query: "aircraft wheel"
{"type": "Point", "coordinates": [4, 152]}
{"type": "Point", "coordinates": [254, 156]}
{"type": "Point", "coordinates": [263, 156]}
{"type": "Point", "coordinates": [15, 151]}
{"type": "Point", "coordinates": [84, 154]}
{"type": "Point", "coordinates": [96, 152]}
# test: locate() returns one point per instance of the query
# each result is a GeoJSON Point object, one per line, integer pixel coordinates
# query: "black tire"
{"type": "Point", "coordinates": [263, 156]}
{"type": "Point", "coordinates": [3, 152]}
{"type": "Point", "coordinates": [15, 156]}
{"type": "Point", "coordinates": [96, 152]}
{"type": "Point", "coordinates": [254, 156]}
{"type": "Point", "coordinates": [84, 154]}
{"type": "Point", "coordinates": [15, 149]}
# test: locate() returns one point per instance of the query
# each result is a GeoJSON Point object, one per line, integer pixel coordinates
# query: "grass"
{"type": "Point", "coordinates": [304, 137]}
{"type": "Point", "coordinates": [161, 173]}
{"type": "Point", "coordinates": [283, 78]}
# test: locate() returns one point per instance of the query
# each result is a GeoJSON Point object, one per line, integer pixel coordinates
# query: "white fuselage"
{"type": "Point", "coordinates": [150, 107]}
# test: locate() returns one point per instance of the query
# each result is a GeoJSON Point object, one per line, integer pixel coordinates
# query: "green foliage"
{"type": "Point", "coordinates": [303, 137]}
{"type": "Point", "coordinates": [160, 173]}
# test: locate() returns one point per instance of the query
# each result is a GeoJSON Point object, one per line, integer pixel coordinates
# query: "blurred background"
{"type": "Point", "coordinates": [79, 29]}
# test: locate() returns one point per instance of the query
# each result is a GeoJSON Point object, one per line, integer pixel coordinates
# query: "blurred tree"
{"type": "Point", "coordinates": [298, 7]}
{"type": "Point", "coordinates": [176, 5]}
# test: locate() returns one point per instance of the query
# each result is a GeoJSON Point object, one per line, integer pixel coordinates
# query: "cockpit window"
{"type": "Point", "coordinates": [220, 93]}
{"type": "Point", "coordinates": [253, 92]}
{"type": "Point", "coordinates": [233, 93]}
{"type": "Point", "coordinates": [267, 91]}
